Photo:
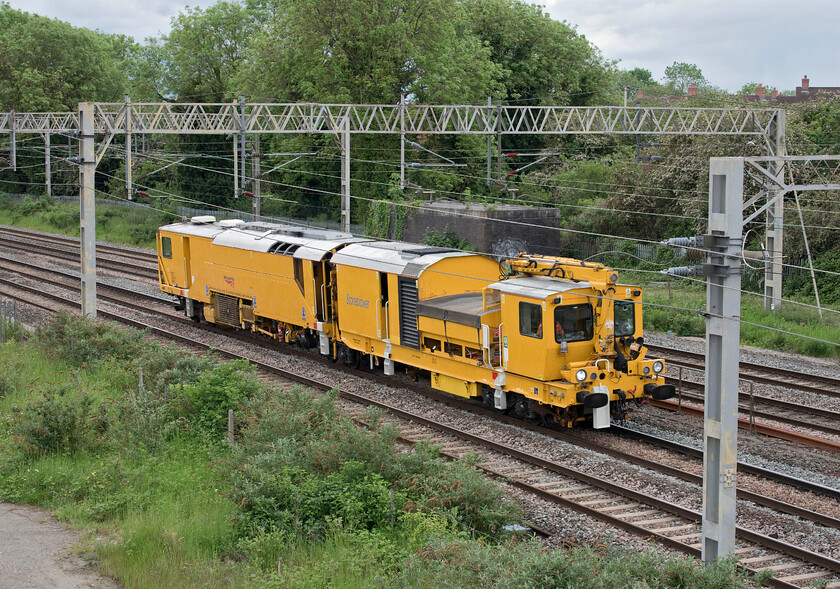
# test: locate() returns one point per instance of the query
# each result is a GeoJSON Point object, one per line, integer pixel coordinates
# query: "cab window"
{"type": "Point", "coordinates": [573, 323]}
{"type": "Point", "coordinates": [166, 247]}
{"type": "Point", "coordinates": [625, 318]}
{"type": "Point", "coordinates": [530, 320]}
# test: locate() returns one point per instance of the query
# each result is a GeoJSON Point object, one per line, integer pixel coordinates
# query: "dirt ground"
{"type": "Point", "coordinates": [36, 552]}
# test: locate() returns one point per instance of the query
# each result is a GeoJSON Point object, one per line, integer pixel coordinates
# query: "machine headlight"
{"type": "Point", "coordinates": [658, 366]}
{"type": "Point", "coordinates": [646, 370]}
{"type": "Point", "coordinates": [581, 375]}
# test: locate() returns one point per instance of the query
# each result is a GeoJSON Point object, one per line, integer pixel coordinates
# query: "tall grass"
{"type": "Point", "coordinates": [134, 226]}
{"type": "Point", "coordinates": [803, 323]}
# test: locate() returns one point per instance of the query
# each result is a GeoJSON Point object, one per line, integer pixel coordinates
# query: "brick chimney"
{"type": "Point", "coordinates": [759, 91]}
{"type": "Point", "coordinates": [805, 83]}
{"type": "Point", "coordinates": [692, 90]}
{"type": "Point", "coordinates": [773, 94]}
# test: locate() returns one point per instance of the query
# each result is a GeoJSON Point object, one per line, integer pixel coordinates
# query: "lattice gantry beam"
{"type": "Point", "coordinates": [796, 172]}
{"type": "Point", "coordinates": [197, 118]}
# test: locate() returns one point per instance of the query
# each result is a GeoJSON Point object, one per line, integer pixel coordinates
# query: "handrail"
{"type": "Point", "coordinates": [377, 308]}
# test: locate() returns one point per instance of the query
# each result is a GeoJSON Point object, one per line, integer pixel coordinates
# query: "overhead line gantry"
{"type": "Point", "coordinates": [237, 119]}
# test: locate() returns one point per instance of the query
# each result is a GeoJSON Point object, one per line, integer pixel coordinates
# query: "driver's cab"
{"type": "Point", "coordinates": [546, 324]}
{"type": "Point", "coordinates": [549, 325]}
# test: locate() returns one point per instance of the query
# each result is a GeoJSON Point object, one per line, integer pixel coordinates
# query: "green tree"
{"type": "Point", "coordinates": [200, 57]}
{"type": "Point", "coordinates": [365, 51]}
{"type": "Point", "coordinates": [642, 75]}
{"type": "Point", "coordinates": [539, 57]}
{"type": "Point", "coordinates": [748, 89]}
{"type": "Point", "coordinates": [680, 75]}
{"type": "Point", "coordinates": [49, 65]}
{"type": "Point", "coordinates": [634, 79]}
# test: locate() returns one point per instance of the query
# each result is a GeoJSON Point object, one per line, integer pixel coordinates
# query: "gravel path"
{"type": "Point", "coordinates": [37, 552]}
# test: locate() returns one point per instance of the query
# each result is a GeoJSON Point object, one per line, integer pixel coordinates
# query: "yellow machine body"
{"type": "Point", "coordinates": [550, 337]}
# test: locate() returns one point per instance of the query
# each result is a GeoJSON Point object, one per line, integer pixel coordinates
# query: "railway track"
{"type": "Point", "coordinates": [108, 257]}
{"type": "Point", "coordinates": [619, 506]}
{"type": "Point", "coordinates": [752, 372]}
{"type": "Point", "coordinates": [770, 411]}
{"type": "Point", "coordinates": [762, 407]}
{"type": "Point", "coordinates": [149, 257]}
{"type": "Point", "coordinates": [810, 418]}
{"type": "Point", "coordinates": [154, 305]}
{"type": "Point", "coordinates": [757, 373]}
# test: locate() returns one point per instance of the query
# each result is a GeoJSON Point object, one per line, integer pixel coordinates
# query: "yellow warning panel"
{"type": "Point", "coordinates": [456, 386]}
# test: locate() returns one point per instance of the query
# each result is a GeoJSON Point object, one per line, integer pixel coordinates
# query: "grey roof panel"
{"type": "Point", "coordinates": [537, 287]}
{"type": "Point", "coordinates": [208, 230]}
{"type": "Point", "coordinates": [312, 244]}
{"type": "Point", "coordinates": [394, 257]}
{"type": "Point", "coordinates": [316, 250]}
{"type": "Point", "coordinates": [464, 309]}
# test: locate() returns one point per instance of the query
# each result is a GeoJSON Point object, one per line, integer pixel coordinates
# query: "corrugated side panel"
{"type": "Point", "coordinates": [409, 336]}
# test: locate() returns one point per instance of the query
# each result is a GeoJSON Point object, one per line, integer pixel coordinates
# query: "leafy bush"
{"type": "Point", "coordinates": [301, 464]}
{"type": "Point", "coordinates": [684, 323]}
{"type": "Point", "coordinates": [29, 207]}
{"type": "Point", "coordinates": [215, 392]}
{"type": "Point", "coordinates": [457, 490]}
{"type": "Point", "coordinates": [83, 341]}
{"type": "Point", "coordinates": [446, 238]}
{"type": "Point", "coordinates": [144, 421]}
{"type": "Point", "coordinates": [12, 332]}
{"type": "Point", "coordinates": [172, 367]}
{"type": "Point", "coordinates": [295, 501]}
{"type": "Point", "coordinates": [63, 218]}
{"type": "Point", "coordinates": [60, 422]}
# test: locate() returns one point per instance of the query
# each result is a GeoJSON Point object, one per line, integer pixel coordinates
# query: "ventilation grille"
{"type": "Point", "coordinates": [409, 336]}
{"type": "Point", "coordinates": [227, 309]}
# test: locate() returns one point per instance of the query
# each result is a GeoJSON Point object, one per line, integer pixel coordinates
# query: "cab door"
{"type": "Point", "coordinates": [525, 336]}
{"type": "Point", "coordinates": [185, 247]}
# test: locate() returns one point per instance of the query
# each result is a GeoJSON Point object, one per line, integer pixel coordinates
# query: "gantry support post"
{"type": "Point", "coordinates": [129, 188]}
{"type": "Point", "coordinates": [723, 304]}
{"type": "Point", "coordinates": [242, 140]}
{"type": "Point", "coordinates": [255, 172]}
{"type": "Point", "coordinates": [775, 222]}
{"type": "Point", "coordinates": [345, 175]}
{"type": "Point", "coordinates": [489, 141]}
{"type": "Point", "coordinates": [47, 164]}
{"type": "Point", "coordinates": [12, 141]}
{"type": "Point", "coordinates": [402, 141]}
{"type": "Point", "coordinates": [87, 206]}
{"type": "Point", "coordinates": [499, 141]}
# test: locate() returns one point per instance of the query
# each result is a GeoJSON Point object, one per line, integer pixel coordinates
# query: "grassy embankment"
{"type": "Point", "coordinates": [134, 226]}
{"type": "Point", "coordinates": [760, 328]}
{"type": "Point", "coordinates": [304, 499]}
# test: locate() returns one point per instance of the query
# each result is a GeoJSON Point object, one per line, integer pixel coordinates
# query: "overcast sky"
{"type": "Point", "coordinates": [732, 41]}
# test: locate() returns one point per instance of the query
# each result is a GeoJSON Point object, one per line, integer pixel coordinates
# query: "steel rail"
{"type": "Point", "coordinates": [833, 417]}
